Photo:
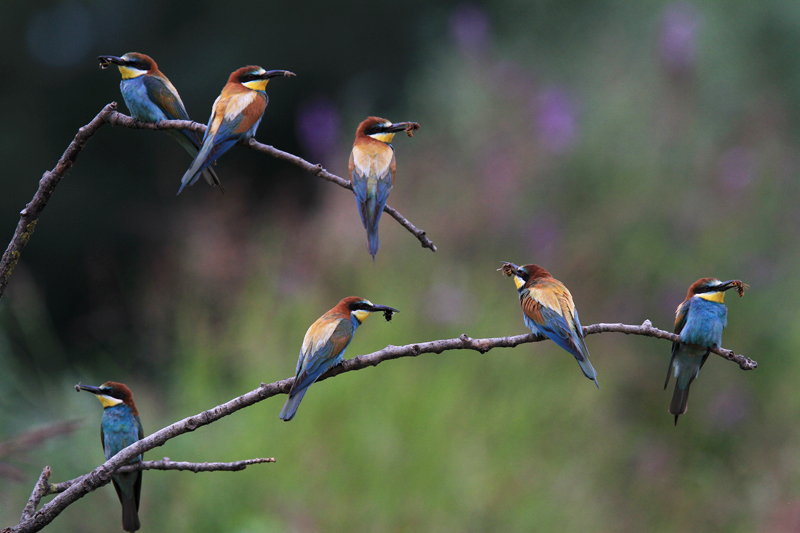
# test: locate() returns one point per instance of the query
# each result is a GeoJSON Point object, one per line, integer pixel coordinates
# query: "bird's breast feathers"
{"type": "Point", "coordinates": [318, 335]}
{"type": "Point", "coordinates": [373, 159]}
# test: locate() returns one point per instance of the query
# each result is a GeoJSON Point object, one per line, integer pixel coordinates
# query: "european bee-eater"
{"type": "Point", "coordinates": [548, 309]}
{"type": "Point", "coordinates": [119, 428]}
{"type": "Point", "coordinates": [151, 97]}
{"type": "Point", "coordinates": [699, 321]}
{"type": "Point", "coordinates": [372, 171]}
{"type": "Point", "coordinates": [325, 343]}
{"type": "Point", "coordinates": [235, 116]}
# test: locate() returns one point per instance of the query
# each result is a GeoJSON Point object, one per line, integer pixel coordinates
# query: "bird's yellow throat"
{"type": "Point", "coordinates": [108, 401]}
{"type": "Point", "coordinates": [713, 296]}
{"type": "Point", "coordinates": [361, 315]}
{"type": "Point", "coordinates": [256, 85]}
{"type": "Point", "coordinates": [129, 73]}
{"type": "Point", "coordinates": [383, 137]}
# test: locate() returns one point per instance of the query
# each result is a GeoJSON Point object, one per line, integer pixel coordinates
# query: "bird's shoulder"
{"type": "Point", "coordinates": [552, 294]}
{"type": "Point", "coordinates": [326, 328]}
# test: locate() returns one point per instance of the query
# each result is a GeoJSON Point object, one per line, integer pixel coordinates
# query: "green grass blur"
{"type": "Point", "coordinates": [630, 148]}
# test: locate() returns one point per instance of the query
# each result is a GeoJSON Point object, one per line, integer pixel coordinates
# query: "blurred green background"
{"type": "Point", "coordinates": [629, 147]}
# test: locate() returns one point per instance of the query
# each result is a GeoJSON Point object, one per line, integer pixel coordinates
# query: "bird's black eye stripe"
{"type": "Point", "coordinates": [360, 306]}
{"type": "Point", "coordinates": [113, 393]}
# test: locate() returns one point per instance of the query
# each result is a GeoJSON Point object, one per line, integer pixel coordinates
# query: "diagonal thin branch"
{"type": "Point", "coordinates": [102, 474]}
{"type": "Point", "coordinates": [39, 490]}
{"type": "Point", "coordinates": [30, 215]}
{"type": "Point", "coordinates": [119, 119]}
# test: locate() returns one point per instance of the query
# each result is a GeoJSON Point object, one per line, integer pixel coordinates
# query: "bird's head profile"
{"type": "Point", "coordinates": [110, 394]}
{"type": "Point", "coordinates": [713, 290]}
{"type": "Point", "coordinates": [256, 78]}
{"type": "Point", "coordinates": [361, 308]}
{"type": "Point", "coordinates": [384, 130]}
{"type": "Point", "coordinates": [523, 274]}
{"type": "Point", "coordinates": [131, 65]}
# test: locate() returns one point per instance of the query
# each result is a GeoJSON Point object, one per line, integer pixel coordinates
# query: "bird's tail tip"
{"type": "Point", "coordinates": [291, 405]}
{"type": "Point", "coordinates": [373, 244]}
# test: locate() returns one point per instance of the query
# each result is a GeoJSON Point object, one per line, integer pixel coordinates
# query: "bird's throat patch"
{"type": "Point", "coordinates": [130, 73]}
{"type": "Point", "coordinates": [713, 296]}
{"type": "Point", "coordinates": [519, 282]}
{"type": "Point", "coordinates": [361, 315]}
{"type": "Point", "coordinates": [256, 85]}
{"type": "Point", "coordinates": [383, 137]}
{"type": "Point", "coordinates": [108, 401]}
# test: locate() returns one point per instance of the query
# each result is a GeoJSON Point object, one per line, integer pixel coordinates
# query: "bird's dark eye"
{"type": "Point", "coordinates": [113, 393]}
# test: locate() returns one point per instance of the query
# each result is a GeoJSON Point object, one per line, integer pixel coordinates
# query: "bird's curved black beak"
{"type": "Point", "coordinates": [107, 60]}
{"type": "Point", "coordinates": [509, 269]}
{"type": "Point", "coordinates": [277, 73]}
{"type": "Point", "coordinates": [387, 311]}
{"type": "Point", "coordinates": [88, 388]}
{"type": "Point", "coordinates": [400, 126]}
{"type": "Point", "coordinates": [732, 284]}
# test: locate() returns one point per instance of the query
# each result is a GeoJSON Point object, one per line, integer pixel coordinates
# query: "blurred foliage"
{"type": "Point", "coordinates": [629, 147]}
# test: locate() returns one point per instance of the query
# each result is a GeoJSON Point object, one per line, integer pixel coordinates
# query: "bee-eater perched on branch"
{"type": "Point", "coordinates": [699, 320]}
{"type": "Point", "coordinates": [548, 309]}
{"type": "Point", "coordinates": [119, 428]}
{"type": "Point", "coordinates": [151, 97]}
{"type": "Point", "coordinates": [372, 170]}
{"type": "Point", "coordinates": [235, 116]}
{"type": "Point", "coordinates": [325, 343]}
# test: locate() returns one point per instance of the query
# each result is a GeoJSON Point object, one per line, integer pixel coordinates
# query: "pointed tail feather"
{"type": "Point", "coordinates": [129, 499]}
{"type": "Point", "coordinates": [679, 401]}
{"type": "Point", "coordinates": [130, 515]}
{"type": "Point", "coordinates": [212, 179]}
{"type": "Point", "coordinates": [291, 405]}
{"type": "Point", "coordinates": [373, 211]}
{"type": "Point", "coordinates": [192, 144]}
{"type": "Point", "coordinates": [588, 370]}
{"type": "Point", "coordinates": [201, 161]}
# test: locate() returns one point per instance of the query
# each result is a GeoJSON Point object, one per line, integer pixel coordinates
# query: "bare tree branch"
{"type": "Point", "coordinates": [118, 119]}
{"type": "Point", "coordinates": [30, 215]}
{"type": "Point", "coordinates": [102, 474]}
{"type": "Point", "coordinates": [39, 490]}
{"type": "Point", "coordinates": [43, 488]}
{"type": "Point", "coordinates": [167, 464]}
